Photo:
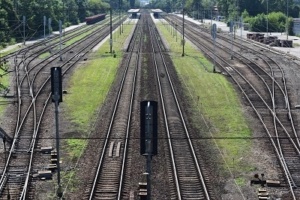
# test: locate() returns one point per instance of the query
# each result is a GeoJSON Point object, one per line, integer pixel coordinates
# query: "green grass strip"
{"type": "Point", "coordinates": [4, 80]}
{"type": "Point", "coordinates": [213, 97]}
{"type": "Point", "coordinates": [89, 85]}
{"type": "Point", "coordinates": [87, 91]}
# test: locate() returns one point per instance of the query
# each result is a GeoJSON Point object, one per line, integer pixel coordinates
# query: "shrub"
{"type": "Point", "coordinates": [276, 22]}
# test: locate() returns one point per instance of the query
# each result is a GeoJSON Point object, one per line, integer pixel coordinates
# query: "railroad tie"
{"type": "Point", "coordinates": [118, 149]}
{"type": "Point", "coordinates": [111, 148]}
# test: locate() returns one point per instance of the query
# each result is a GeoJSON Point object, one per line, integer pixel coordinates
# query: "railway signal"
{"type": "Point", "coordinates": [56, 84]}
{"type": "Point", "coordinates": [148, 141]}
{"type": "Point", "coordinates": [56, 89]}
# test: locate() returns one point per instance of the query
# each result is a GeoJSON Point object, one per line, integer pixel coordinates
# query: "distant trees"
{"type": "Point", "coordinates": [6, 21]}
{"type": "Point", "coordinates": [69, 11]}
{"type": "Point", "coordinates": [229, 8]}
{"type": "Point", "coordinates": [276, 22]}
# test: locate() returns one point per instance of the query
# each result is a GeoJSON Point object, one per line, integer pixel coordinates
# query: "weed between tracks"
{"type": "Point", "coordinates": [4, 81]}
{"type": "Point", "coordinates": [87, 90]}
{"type": "Point", "coordinates": [212, 96]}
{"type": "Point", "coordinates": [72, 41]}
{"type": "Point", "coordinates": [91, 82]}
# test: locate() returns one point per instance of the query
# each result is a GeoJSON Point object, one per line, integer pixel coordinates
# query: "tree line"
{"type": "Point", "coordinates": [70, 12]}
{"type": "Point", "coordinates": [255, 12]}
{"type": "Point", "coordinates": [229, 8]}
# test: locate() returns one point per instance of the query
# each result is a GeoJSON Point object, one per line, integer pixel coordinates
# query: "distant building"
{"type": "Point", "coordinates": [296, 27]}
{"type": "Point", "coordinates": [157, 13]}
{"type": "Point", "coordinates": [135, 13]}
{"type": "Point", "coordinates": [144, 3]}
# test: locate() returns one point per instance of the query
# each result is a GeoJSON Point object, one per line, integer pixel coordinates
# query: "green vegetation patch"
{"type": "Point", "coordinates": [240, 181]}
{"type": "Point", "coordinates": [215, 98]}
{"type": "Point", "coordinates": [75, 39]}
{"type": "Point", "coordinates": [4, 81]}
{"type": "Point", "coordinates": [10, 50]}
{"type": "Point", "coordinates": [89, 86]}
{"type": "Point", "coordinates": [87, 90]}
{"type": "Point", "coordinates": [75, 146]}
{"type": "Point", "coordinates": [45, 55]}
{"type": "Point", "coordinates": [69, 178]}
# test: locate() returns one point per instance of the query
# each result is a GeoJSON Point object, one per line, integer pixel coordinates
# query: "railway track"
{"type": "Point", "coordinates": [108, 181]}
{"type": "Point", "coordinates": [51, 42]}
{"type": "Point", "coordinates": [262, 81]}
{"type": "Point", "coordinates": [33, 95]}
{"type": "Point", "coordinates": [189, 178]}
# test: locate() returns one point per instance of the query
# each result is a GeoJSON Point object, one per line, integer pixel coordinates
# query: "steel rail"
{"type": "Point", "coordinates": [36, 127]}
{"type": "Point", "coordinates": [76, 31]}
{"type": "Point", "coordinates": [281, 159]}
{"type": "Point", "coordinates": [112, 121]}
{"type": "Point", "coordinates": [195, 159]}
{"type": "Point", "coordinates": [66, 63]}
{"type": "Point", "coordinates": [282, 89]}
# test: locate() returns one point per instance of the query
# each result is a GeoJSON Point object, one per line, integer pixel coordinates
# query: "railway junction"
{"type": "Point", "coordinates": [226, 129]}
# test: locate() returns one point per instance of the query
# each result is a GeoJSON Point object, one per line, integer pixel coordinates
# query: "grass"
{"type": "Point", "coordinates": [93, 81]}
{"type": "Point", "coordinates": [4, 80]}
{"type": "Point", "coordinates": [79, 37]}
{"type": "Point", "coordinates": [6, 52]}
{"type": "Point", "coordinates": [296, 44]}
{"type": "Point", "coordinates": [212, 96]}
{"type": "Point", "coordinates": [68, 177]}
{"type": "Point", "coordinates": [70, 42]}
{"type": "Point", "coordinates": [75, 146]}
{"type": "Point", "coordinates": [45, 55]}
{"type": "Point", "coordinates": [241, 181]}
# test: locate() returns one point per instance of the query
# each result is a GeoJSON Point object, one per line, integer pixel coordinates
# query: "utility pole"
{"type": "Point", "coordinates": [111, 39]}
{"type": "Point", "coordinates": [122, 25]}
{"type": "Point", "coordinates": [267, 17]}
{"type": "Point", "coordinates": [211, 16]}
{"type": "Point", "coordinates": [120, 17]}
{"type": "Point", "coordinates": [231, 30]}
{"type": "Point", "coordinates": [242, 26]}
{"type": "Point", "coordinates": [287, 19]}
{"type": "Point", "coordinates": [24, 21]}
{"type": "Point", "coordinates": [49, 26]}
{"type": "Point", "coordinates": [214, 36]}
{"type": "Point", "coordinates": [183, 41]}
{"type": "Point", "coordinates": [60, 33]}
{"type": "Point", "coordinates": [44, 27]}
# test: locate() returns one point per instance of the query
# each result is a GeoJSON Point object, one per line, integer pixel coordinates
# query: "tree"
{"type": "Point", "coordinates": [95, 7]}
{"type": "Point", "coordinates": [7, 18]}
